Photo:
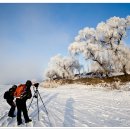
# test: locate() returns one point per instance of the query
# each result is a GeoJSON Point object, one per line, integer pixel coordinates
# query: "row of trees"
{"type": "Point", "coordinates": [104, 46]}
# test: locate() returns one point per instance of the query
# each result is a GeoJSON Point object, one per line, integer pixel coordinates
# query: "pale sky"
{"type": "Point", "coordinates": [30, 34]}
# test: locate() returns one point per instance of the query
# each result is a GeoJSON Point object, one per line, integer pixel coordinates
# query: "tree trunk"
{"type": "Point", "coordinates": [124, 70]}
{"type": "Point", "coordinates": [101, 64]}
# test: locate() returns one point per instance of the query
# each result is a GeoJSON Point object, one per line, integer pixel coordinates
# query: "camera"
{"type": "Point", "coordinates": [36, 85]}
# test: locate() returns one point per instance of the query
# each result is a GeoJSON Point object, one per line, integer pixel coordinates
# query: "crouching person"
{"type": "Point", "coordinates": [9, 96]}
{"type": "Point", "coordinates": [22, 93]}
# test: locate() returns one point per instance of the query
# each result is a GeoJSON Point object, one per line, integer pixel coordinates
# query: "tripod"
{"type": "Point", "coordinates": [36, 95]}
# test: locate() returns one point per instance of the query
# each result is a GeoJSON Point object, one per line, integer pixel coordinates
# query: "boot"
{"type": "Point", "coordinates": [19, 123]}
{"type": "Point", "coordinates": [27, 121]}
{"type": "Point", "coordinates": [11, 115]}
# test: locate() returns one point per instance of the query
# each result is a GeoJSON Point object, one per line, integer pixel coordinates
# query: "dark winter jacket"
{"type": "Point", "coordinates": [9, 95]}
{"type": "Point", "coordinates": [27, 94]}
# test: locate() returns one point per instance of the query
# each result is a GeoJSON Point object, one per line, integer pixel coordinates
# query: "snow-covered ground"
{"type": "Point", "coordinates": [74, 106]}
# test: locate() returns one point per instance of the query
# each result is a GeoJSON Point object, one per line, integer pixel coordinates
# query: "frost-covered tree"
{"type": "Point", "coordinates": [105, 44]}
{"type": "Point", "coordinates": [122, 59]}
{"type": "Point", "coordinates": [52, 74]}
{"type": "Point", "coordinates": [62, 67]}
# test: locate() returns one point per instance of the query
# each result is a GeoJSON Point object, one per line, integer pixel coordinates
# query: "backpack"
{"type": "Point", "coordinates": [20, 90]}
{"type": "Point", "coordinates": [6, 95]}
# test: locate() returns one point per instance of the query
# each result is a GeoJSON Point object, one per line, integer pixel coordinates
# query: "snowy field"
{"type": "Point", "coordinates": [74, 106]}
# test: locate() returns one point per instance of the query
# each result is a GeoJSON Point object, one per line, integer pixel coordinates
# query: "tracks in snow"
{"type": "Point", "coordinates": [72, 108]}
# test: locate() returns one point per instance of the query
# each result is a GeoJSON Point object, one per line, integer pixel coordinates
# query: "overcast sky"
{"type": "Point", "coordinates": [30, 34]}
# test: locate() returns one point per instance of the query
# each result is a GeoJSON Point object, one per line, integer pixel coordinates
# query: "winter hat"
{"type": "Point", "coordinates": [14, 86]}
{"type": "Point", "coordinates": [28, 83]}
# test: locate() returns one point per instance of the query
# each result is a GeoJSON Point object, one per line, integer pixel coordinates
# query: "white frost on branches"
{"type": "Point", "coordinates": [62, 67]}
{"type": "Point", "coordinates": [104, 45]}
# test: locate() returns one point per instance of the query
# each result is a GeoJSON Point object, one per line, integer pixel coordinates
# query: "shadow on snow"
{"type": "Point", "coordinates": [69, 114]}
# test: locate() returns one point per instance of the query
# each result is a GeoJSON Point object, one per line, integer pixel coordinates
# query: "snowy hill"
{"type": "Point", "coordinates": [74, 106]}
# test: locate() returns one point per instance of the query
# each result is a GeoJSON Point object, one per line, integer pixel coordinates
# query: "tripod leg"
{"type": "Point", "coordinates": [37, 107]}
{"type": "Point", "coordinates": [43, 103]}
{"type": "Point", "coordinates": [45, 108]}
{"type": "Point", "coordinates": [30, 103]}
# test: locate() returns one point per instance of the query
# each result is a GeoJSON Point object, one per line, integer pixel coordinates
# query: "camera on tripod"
{"type": "Point", "coordinates": [36, 85]}
{"type": "Point", "coordinates": [35, 90]}
{"type": "Point", "coordinates": [37, 96]}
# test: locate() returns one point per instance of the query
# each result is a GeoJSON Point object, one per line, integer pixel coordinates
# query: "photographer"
{"type": "Point", "coordinates": [9, 96]}
{"type": "Point", "coordinates": [22, 93]}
